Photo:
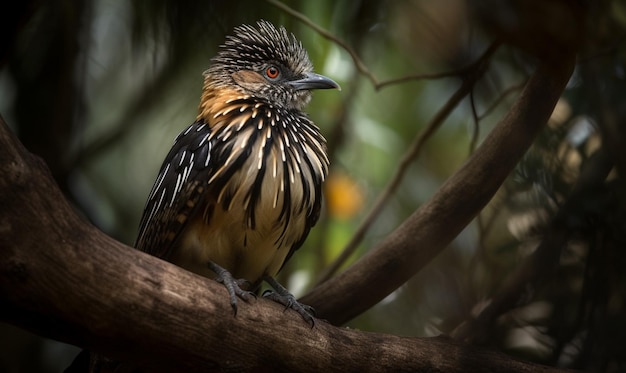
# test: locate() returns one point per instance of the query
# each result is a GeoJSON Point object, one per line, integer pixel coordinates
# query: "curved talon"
{"type": "Point", "coordinates": [284, 297]}
{"type": "Point", "coordinates": [232, 285]}
{"type": "Point", "coordinates": [243, 283]}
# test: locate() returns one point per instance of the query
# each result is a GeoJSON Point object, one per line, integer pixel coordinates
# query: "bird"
{"type": "Point", "coordinates": [241, 187]}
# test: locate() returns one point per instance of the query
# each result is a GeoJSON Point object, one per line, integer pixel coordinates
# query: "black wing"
{"type": "Point", "coordinates": [177, 191]}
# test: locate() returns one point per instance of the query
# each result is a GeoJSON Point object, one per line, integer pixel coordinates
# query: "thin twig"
{"type": "Point", "coordinates": [358, 63]}
{"type": "Point", "coordinates": [476, 122]}
{"type": "Point", "coordinates": [407, 159]}
{"type": "Point", "coordinates": [489, 110]}
{"type": "Point", "coordinates": [502, 96]}
{"type": "Point", "coordinates": [426, 76]}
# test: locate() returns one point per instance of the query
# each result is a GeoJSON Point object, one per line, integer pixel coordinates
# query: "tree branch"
{"type": "Point", "coordinates": [479, 68]}
{"type": "Point", "coordinates": [62, 278]}
{"type": "Point", "coordinates": [433, 226]}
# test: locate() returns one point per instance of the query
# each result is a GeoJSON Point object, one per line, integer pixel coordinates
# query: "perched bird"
{"type": "Point", "coordinates": [240, 188]}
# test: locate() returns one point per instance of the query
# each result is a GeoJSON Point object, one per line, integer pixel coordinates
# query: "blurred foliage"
{"type": "Point", "coordinates": [100, 88]}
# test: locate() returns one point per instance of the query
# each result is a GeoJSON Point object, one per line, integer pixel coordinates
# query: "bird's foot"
{"type": "Point", "coordinates": [283, 296]}
{"type": "Point", "coordinates": [232, 285]}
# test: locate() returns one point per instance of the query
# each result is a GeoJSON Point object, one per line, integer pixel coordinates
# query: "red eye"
{"type": "Point", "coordinates": [272, 72]}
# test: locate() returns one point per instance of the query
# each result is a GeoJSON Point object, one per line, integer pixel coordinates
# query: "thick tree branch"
{"type": "Point", "coordinates": [62, 278]}
{"type": "Point", "coordinates": [433, 226]}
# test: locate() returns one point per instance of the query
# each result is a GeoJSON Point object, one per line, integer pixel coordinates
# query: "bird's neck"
{"type": "Point", "coordinates": [217, 101]}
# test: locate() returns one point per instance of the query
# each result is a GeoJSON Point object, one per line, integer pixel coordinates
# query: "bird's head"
{"type": "Point", "coordinates": [269, 63]}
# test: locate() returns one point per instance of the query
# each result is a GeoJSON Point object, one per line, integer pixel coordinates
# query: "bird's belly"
{"type": "Point", "coordinates": [247, 248]}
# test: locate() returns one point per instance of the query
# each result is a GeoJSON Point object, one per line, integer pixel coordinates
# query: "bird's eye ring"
{"type": "Point", "coordinates": [272, 72]}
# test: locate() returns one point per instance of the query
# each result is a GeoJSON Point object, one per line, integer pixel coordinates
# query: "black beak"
{"type": "Point", "coordinates": [313, 81]}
